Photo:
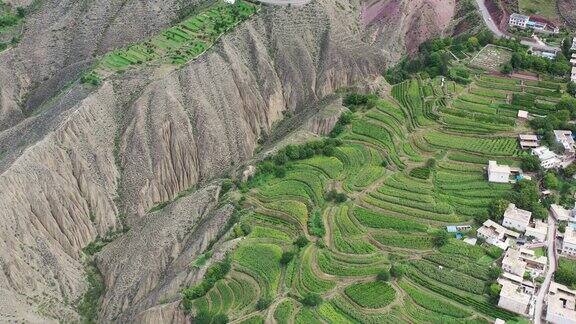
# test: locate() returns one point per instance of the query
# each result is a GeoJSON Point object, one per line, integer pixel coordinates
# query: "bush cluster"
{"type": "Point", "coordinates": [335, 196]}
{"type": "Point", "coordinates": [214, 273]}
{"type": "Point", "coordinates": [344, 119]}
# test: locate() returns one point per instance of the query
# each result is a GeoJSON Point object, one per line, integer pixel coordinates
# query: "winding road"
{"type": "Point", "coordinates": [498, 33]}
{"type": "Point", "coordinates": [552, 258]}
{"type": "Point", "coordinates": [488, 19]}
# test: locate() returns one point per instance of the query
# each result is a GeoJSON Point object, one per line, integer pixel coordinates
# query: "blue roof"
{"type": "Point", "coordinates": [451, 229]}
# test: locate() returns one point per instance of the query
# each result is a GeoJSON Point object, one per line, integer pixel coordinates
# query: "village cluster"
{"type": "Point", "coordinates": [520, 237]}
{"type": "Point", "coordinates": [538, 47]}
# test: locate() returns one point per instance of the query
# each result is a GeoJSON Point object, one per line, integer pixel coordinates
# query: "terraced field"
{"type": "Point", "coordinates": [390, 218]}
{"type": "Point", "coordinates": [178, 44]}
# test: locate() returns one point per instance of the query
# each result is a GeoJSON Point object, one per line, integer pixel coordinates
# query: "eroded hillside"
{"type": "Point", "coordinates": [79, 162]}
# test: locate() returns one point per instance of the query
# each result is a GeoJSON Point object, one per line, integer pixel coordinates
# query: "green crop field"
{"type": "Point", "coordinates": [326, 222]}
{"type": "Point", "coordinates": [177, 44]}
{"type": "Point", "coordinates": [544, 8]}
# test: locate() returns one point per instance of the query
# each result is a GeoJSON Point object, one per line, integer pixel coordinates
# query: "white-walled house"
{"type": "Point", "coordinates": [516, 218]}
{"type": "Point", "coordinates": [513, 298]}
{"type": "Point", "coordinates": [528, 141]}
{"type": "Point", "coordinates": [538, 230]}
{"type": "Point", "coordinates": [569, 242]}
{"type": "Point", "coordinates": [560, 213]}
{"type": "Point", "coordinates": [497, 234]}
{"type": "Point", "coordinates": [564, 138]}
{"type": "Point", "coordinates": [498, 173]}
{"type": "Point", "coordinates": [561, 304]}
{"type": "Point", "coordinates": [548, 159]}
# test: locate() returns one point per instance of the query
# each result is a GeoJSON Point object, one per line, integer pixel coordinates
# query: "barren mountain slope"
{"type": "Point", "coordinates": [62, 37]}
{"type": "Point", "coordinates": [87, 156]}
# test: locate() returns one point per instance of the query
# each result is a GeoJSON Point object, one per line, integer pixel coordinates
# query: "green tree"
{"type": "Point", "coordinates": [263, 303]}
{"type": "Point", "coordinates": [286, 257]}
{"type": "Point", "coordinates": [571, 88]}
{"type": "Point", "coordinates": [507, 68]}
{"type": "Point", "coordinates": [566, 46]}
{"type": "Point", "coordinates": [526, 195]}
{"type": "Point", "coordinates": [397, 271]}
{"type": "Point", "coordinates": [311, 299]}
{"type": "Point", "coordinates": [473, 42]}
{"type": "Point", "coordinates": [440, 238]}
{"type": "Point", "coordinates": [539, 212]}
{"type": "Point", "coordinates": [301, 241]}
{"type": "Point", "coordinates": [494, 292]}
{"type": "Point", "coordinates": [494, 272]}
{"type": "Point", "coordinates": [530, 163]}
{"type": "Point", "coordinates": [383, 275]}
{"type": "Point", "coordinates": [551, 181]}
{"type": "Point", "coordinates": [497, 208]}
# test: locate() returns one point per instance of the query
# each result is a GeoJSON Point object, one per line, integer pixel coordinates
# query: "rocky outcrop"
{"type": "Point", "coordinates": [61, 39]}
{"type": "Point", "coordinates": [73, 164]}
{"type": "Point", "coordinates": [151, 263]}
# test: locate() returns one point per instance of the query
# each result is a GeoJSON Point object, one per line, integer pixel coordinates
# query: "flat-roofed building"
{"type": "Point", "coordinates": [523, 114]}
{"type": "Point", "coordinates": [528, 141]}
{"type": "Point", "coordinates": [561, 304]}
{"type": "Point", "coordinates": [573, 48]}
{"type": "Point", "coordinates": [497, 234]}
{"type": "Point", "coordinates": [569, 242]}
{"type": "Point", "coordinates": [518, 20]}
{"type": "Point", "coordinates": [512, 262]}
{"type": "Point", "coordinates": [527, 285]}
{"type": "Point", "coordinates": [498, 173]}
{"type": "Point", "coordinates": [564, 137]}
{"type": "Point", "coordinates": [548, 159]}
{"type": "Point", "coordinates": [535, 264]}
{"type": "Point", "coordinates": [559, 212]}
{"type": "Point", "coordinates": [538, 230]}
{"type": "Point", "coordinates": [513, 298]}
{"type": "Point", "coordinates": [516, 218]}
{"type": "Point", "coordinates": [518, 261]}
{"type": "Point", "coordinates": [573, 74]}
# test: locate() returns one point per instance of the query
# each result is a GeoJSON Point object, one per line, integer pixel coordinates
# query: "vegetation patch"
{"type": "Point", "coordinates": [375, 294]}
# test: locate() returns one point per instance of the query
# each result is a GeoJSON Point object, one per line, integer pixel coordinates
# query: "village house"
{"type": "Point", "coordinates": [518, 261]}
{"type": "Point", "coordinates": [516, 218]}
{"type": "Point", "coordinates": [564, 138]}
{"type": "Point", "coordinates": [538, 230]}
{"type": "Point", "coordinates": [533, 22]}
{"type": "Point", "coordinates": [517, 20]}
{"type": "Point", "coordinates": [536, 265]}
{"type": "Point", "coordinates": [573, 74]}
{"type": "Point", "coordinates": [548, 159]}
{"type": "Point", "coordinates": [560, 213]}
{"type": "Point", "coordinates": [497, 235]}
{"type": "Point", "coordinates": [523, 114]}
{"type": "Point", "coordinates": [526, 285]}
{"type": "Point", "coordinates": [512, 263]}
{"type": "Point", "coordinates": [569, 242]}
{"type": "Point", "coordinates": [513, 298]}
{"type": "Point", "coordinates": [528, 141]}
{"type": "Point", "coordinates": [498, 173]}
{"type": "Point", "coordinates": [573, 59]}
{"type": "Point", "coordinates": [544, 52]}
{"type": "Point", "coordinates": [573, 48]}
{"type": "Point", "coordinates": [561, 304]}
